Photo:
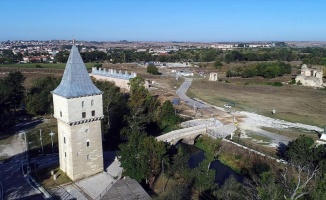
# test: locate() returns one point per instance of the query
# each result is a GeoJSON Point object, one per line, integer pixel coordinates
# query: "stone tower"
{"type": "Point", "coordinates": [78, 109]}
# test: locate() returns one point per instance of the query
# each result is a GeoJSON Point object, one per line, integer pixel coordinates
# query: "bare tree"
{"type": "Point", "coordinates": [296, 183]}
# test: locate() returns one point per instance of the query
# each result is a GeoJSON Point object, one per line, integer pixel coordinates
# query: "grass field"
{"type": "Point", "coordinates": [292, 133]}
{"type": "Point", "coordinates": [292, 103]}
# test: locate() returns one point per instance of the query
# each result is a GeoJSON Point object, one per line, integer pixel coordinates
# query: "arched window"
{"type": "Point", "coordinates": [87, 143]}
{"type": "Point", "coordinates": [60, 114]}
{"type": "Point", "coordinates": [82, 104]}
{"type": "Point", "coordinates": [87, 157]}
{"type": "Point", "coordinates": [92, 103]}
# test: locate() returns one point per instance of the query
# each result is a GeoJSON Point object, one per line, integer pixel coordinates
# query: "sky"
{"type": "Point", "coordinates": [164, 20]}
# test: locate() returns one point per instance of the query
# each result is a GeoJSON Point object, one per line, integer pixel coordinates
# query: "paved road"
{"type": "Point", "coordinates": [181, 92]}
{"type": "Point", "coordinates": [15, 185]}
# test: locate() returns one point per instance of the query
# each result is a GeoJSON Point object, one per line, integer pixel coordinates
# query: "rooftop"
{"type": "Point", "coordinates": [126, 189]}
{"type": "Point", "coordinates": [76, 81]}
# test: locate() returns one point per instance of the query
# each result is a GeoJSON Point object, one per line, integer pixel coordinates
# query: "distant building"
{"type": "Point", "coordinates": [310, 77]}
{"type": "Point", "coordinates": [213, 76]}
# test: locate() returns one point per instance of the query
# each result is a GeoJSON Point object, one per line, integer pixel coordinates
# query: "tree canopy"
{"type": "Point", "coordinates": [11, 96]}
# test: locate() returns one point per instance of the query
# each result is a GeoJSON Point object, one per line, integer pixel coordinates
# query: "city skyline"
{"type": "Point", "coordinates": [144, 20]}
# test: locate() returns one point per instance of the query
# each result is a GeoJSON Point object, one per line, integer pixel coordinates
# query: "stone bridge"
{"type": "Point", "coordinates": [194, 128]}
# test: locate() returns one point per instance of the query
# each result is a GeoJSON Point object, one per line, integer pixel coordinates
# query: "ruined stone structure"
{"type": "Point", "coordinates": [310, 77]}
{"type": "Point", "coordinates": [213, 76]}
{"type": "Point", "coordinates": [78, 109]}
{"type": "Point", "coordinates": [118, 78]}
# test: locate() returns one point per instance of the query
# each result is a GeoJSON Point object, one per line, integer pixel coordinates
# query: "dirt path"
{"type": "Point", "coordinates": [251, 122]}
{"type": "Point", "coordinates": [15, 146]}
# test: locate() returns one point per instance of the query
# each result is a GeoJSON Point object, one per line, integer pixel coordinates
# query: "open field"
{"type": "Point", "coordinates": [292, 103]}
{"type": "Point", "coordinates": [292, 133]}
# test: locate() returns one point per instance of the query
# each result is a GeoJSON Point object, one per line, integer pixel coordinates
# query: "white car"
{"type": "Point", "coordinates": [227, 106]}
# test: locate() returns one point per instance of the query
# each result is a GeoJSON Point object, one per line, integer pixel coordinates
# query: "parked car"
{"type": "Point", "coordinates": [227, 106]}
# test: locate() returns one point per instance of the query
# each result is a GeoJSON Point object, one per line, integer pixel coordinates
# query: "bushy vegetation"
{"type": "Point", "coordinates": [265, 69]}
{"type": "Point", "coordinates": [39, 98]}
{"type": "Point", "coordinates": [152, 69]}
{"type": "Point", "coordinates": [11, 97]}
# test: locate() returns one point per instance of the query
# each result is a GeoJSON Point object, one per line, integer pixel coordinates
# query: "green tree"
{"type": "Point", "coordinates": [152, 69]}
{"type": "Point", "coordinates": [62, 56]}
{"type": "Point", "coordinates": [142, 105]}
{"type": "Point", "coordinates": [168, 118]}
{"type": "Point", "coordinates": [11, 95]}
{"type": "Point", "coordinates": [232, 190]}
{"type": "Point", "coordinates": [218, 64]}
{"type": "Point", "coordinates": [39, 99]}
{"type": "Point", "coordinates": [299, 151]}
{"type": "Point", "coordinates": [114, 110]}
{"type": "Point", "coordinates": [249, 72]}
{"type": "Point", "coordinates": [141, 157]}
{"type": "Point", "coordinates": [15, 89]}
{"type": "Point", "coordinates": [305, 161]}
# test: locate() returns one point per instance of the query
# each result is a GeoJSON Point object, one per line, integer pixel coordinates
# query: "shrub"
{"type": "Point", "coordinates": [277, 84]}
{"type": "Point", "coordinates": [249, 72]}
{"type": "Point", "coordinates": [152, 69]}
{"type": "Point", "coordinates": [218, 64]}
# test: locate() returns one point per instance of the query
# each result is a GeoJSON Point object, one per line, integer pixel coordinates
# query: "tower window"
{"type": "Point", "coordinates": [65, 154]}
{"type": "Point", "coordinates": [87, 157]}
{"type": "Point", "coordinates": [93, 112]}
{"type": "Point", "coordinates": [60, 114]}
{"type": "Point", "coordinates": [83, 114]}
{"type": "Point", "coordinates": [64, 140]}
{"type": "Point", "coordinates": [87, 144]}
{"type": "Point", "coordinates": [82, 104]}
{"type": "Point", "coordinates": [92, 103]}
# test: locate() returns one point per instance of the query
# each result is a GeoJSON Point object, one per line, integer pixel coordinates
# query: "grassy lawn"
{"type": "Point", "coordinates": [260, 139]}
{"type": "Point", "coordinates": [44, 177]}
{"type": "Point", "coordinates": [292, 103]}
{"type": "Point", "coordinates": [33, 137]}
{"type": "Point", "coordinates": [233, 161]}
{"type": "Point", "coordinates": [292, 133]}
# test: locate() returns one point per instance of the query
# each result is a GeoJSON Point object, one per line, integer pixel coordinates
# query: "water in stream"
{"type": "Point", "coordinates": [222, 172]}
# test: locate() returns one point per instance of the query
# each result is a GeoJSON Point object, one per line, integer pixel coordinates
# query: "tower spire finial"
{"type": "Point", "coordinates": [73, 41]}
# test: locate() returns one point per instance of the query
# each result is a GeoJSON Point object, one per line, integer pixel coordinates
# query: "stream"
{"type": "Point", "coordinates": [222, 172]}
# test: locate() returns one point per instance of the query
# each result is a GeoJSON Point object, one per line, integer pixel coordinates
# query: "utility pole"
{"type": "Point", "coordinates": [41, 141]}
{"type": "Point", "coordinates": [51, 134]}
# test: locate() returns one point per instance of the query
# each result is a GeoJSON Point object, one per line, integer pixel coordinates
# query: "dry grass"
{"type": "Point", "coordinates": [292, 133]}
{"type": "Point", "coordinates": [44, 177]}
{"type": "Point", "coordinates": [292, 103]}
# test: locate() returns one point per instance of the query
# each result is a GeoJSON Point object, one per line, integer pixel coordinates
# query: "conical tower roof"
{"type": "Point", "coordinates": [76, 81]}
